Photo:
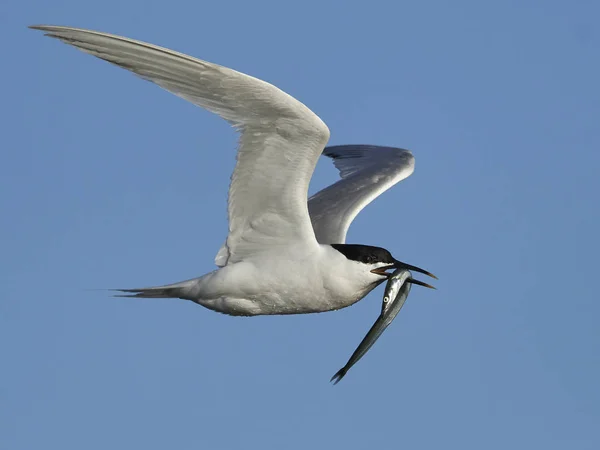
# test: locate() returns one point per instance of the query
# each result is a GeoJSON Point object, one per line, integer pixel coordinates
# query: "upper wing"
{"type": "Point", "coordinates": [366, 171]}
{"type": "Point", "coordinates": [280, 142]}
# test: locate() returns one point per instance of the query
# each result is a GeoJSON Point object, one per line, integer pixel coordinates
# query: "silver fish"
{"type": "Point", "coordinates": [392, 288]}
{"type": "Point", "coordinates": [396, 293]}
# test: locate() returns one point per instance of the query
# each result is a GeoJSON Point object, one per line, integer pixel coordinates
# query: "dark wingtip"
{"type": "Point", "coordinates": [339, 375]}
{"type": "Point", "coordinates": [40, 28]}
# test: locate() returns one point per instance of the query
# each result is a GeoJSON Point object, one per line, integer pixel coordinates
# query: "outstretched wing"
{"type": "Point", "coordinates": [280, 143]}
{"type": "Point", "coordinates": [366, 171]}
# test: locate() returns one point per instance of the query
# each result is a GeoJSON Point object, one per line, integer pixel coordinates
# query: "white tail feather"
{"type": "Point", "coordinates": [176, 290]}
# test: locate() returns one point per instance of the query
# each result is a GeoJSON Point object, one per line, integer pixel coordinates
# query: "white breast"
{"type": "Point", "coordinates": [289, 281]}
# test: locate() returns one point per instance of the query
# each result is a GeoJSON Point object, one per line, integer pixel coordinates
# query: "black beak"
{"type": "Point", "coordinates": [401, 265]}
{"type": "Point", "coordinates": [420, 283]}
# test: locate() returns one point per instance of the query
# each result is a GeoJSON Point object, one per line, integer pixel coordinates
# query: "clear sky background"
{"type": "Point", "coordinates": [108, 181]}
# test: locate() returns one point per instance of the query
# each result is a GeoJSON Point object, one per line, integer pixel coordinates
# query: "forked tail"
{"type": "Point", "coordinates": [176, 290]}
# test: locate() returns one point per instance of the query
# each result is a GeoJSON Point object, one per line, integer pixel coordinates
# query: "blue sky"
{"type": "Point", "coordinates": [108, 181]}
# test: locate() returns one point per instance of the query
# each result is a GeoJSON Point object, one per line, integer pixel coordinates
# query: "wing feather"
{"type": "Point", "coordinates": [366, 172]}
{"type": "Point", "coordinates": [280, 141]}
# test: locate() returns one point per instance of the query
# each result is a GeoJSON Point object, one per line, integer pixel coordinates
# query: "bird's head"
{"type": "Point", "coordinates": [378, 261]}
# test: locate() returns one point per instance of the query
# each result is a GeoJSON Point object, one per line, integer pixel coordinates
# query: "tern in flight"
{"type": "Point", "coordinates": [285, 253]}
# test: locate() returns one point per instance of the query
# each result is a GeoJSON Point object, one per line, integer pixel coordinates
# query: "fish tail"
{"type": "Point", "coordinates": [339, 375]}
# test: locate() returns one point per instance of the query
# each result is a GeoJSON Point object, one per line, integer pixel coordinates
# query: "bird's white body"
{"type": "Point", "coordinates": [277, 258]}
{"type": "Point", "coordinates": [318, 280]}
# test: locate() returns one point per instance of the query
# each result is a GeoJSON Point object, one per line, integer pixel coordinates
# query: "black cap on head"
{"type": "Point", "coordinates": [366, 254]}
